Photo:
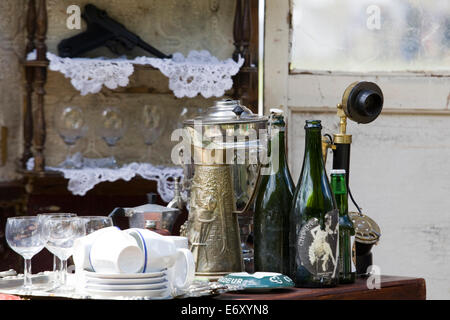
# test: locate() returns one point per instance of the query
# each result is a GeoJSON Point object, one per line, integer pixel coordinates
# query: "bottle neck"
{"type": "Point", "coordinates": [313, 148]}
{"type": "Point", "coordinates": [339, 188]}
{"type": "Point", "coordinates": [277, 145]}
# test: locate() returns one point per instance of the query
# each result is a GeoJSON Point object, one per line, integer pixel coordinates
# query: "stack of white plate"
{"type": "Point", "coordinates": [152, 285]}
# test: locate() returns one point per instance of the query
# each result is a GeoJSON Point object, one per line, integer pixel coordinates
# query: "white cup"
{"type": "Point", "coordinates": [180, 242]}
{"type": "Point", "coordinates": [182, 273]}
{"type": "Point", "coordinates": [116, 252]}
{"type": "Point", "coordinates": [160, 252]}
{"type": "Point", "coordinates": [82, 248]}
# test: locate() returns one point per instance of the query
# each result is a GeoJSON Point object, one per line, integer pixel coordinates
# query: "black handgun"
{"type": "Point", "coordinates": [103, 31]}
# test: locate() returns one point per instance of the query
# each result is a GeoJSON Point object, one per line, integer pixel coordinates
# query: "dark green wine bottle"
{"type": "Point", "coordinates": [272, 205]}
{"type": "Point", "coordinates": [346, 267]}
{"type": "Point", "coordinates": [314, 219]}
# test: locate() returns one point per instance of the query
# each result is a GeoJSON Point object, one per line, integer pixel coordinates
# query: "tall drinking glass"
{"type": "Point", "coordinates": [61, 233]}
{"type": "Point", "coordinates": [24, 236]}
{"type": "Point", "coordinates": [57, 265]}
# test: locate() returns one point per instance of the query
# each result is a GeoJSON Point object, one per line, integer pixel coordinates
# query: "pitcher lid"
{"type": "Point", "coordinates": [226, 112]}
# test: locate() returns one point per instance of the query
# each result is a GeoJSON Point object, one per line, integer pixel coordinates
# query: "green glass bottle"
{"type": "Point", "coordinates": [346, 267]}
{"type": "Point", "coordinates": [314, 219]}
{"type": "Point", "coordinates": [272, 204]}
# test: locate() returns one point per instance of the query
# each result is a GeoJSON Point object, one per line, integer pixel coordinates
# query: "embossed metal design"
{"type": "Point", "coordinates": [213, 230]}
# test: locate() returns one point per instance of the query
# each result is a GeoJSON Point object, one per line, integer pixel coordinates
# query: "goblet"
{"type": "Point", "coordinates": [71, 126]}
{"type": "Point", "coordinates": [112, 127]}
{"type": "Point", "coordinates": [61, 233]}
{"type": "Point", "coordinates": [94, 223]}
{"type": "Point", "coordinates": [152, 125]}
{"type": "Point", "coordinates": [57, 265]}
{"type": "Point", "coordinates": [24, 236]}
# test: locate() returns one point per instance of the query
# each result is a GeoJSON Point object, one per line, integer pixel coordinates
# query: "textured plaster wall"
{"type": "Point", "coordinates": [169, 25]}
{"type": "Point", "coordinates": [11, 50]}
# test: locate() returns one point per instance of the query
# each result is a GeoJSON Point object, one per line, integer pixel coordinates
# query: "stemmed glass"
{"type": "Point", "coordinates": [94, 223]}
{"type": "Point", "coordinates": [24, 236]}
{"type": "Point", "coordinates": [152, 125]}
{"type": "Point", "coordinates": [112, 127]}
{"type": "Point", "coordinates": [61, 233]}
{"type": "Point", "coordinates": [187, 113]}
{"type": "Point", "coordinates": [71, 126]}
{"type": "Point", "coordinates": [57, 265]}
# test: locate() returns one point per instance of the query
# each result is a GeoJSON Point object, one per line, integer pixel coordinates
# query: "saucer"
{"type": "Point", "coordinates": [157, 293]}
{"type": "Point", "coordinates": [145, 286]}
{"type": "Point", "coordinates": [108, 281]}
{"type": "Point", "coordinates": [156, 274]}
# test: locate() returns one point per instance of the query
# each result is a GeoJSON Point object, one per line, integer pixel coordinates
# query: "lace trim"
{"type": "Point", "coordinates": [84, 179]}
{"type": "Point", "coordinates": [198, 73]}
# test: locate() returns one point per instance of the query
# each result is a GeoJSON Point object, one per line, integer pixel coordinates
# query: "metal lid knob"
{"type": "Point", "coordinates": [238, 110]}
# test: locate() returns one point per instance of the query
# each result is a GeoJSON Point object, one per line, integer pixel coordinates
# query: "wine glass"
{"type": "Point", "coordinates": [187, 113]}
{"type": "Point", "coordinates": [61, 233]}
{"type": "Point", "coordinates": [184, 115]}
{"type": "Point", "coordinates": [71, 126]}
{"type": "Point", "coordinates": [152, 125]}
{"type": "Point", "coordinates": [94, 223]}
{"type": "Point", "coordinates": [57, 265]}
{"type": "Point", "coordinates": [24, 236]}
{"type": "Point", "coordinates": [112, 127]}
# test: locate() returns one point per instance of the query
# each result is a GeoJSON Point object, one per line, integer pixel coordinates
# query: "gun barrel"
{"type": "Point", "coordinates": [144, 45]}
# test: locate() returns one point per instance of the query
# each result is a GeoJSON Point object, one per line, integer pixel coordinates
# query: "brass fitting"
{"type": "Point", "coordinates": [342, 137]}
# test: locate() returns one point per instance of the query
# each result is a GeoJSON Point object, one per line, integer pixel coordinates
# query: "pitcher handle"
{"type": "Point", "coordinates": [253, 195]}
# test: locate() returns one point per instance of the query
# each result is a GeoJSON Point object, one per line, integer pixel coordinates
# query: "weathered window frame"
{"type": "Point", "coordinates": [301, 91]}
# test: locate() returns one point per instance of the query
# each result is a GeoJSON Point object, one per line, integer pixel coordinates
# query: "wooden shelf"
{"type": "Point", "coordinates": [39, 174]}
{"type": "Point", "coordinates": [248, 69]}
{"type": "Point", "coordinates": [35, 63]}
{"type": "Point", "coordinates": [144, 67]}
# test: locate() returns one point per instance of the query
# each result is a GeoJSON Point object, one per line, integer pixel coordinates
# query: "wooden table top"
{"type": "Point", "coordinates": [391, 288]}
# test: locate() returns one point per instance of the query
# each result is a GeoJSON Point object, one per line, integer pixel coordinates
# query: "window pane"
{"type": "Point", "coordinates": [371, 35]}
